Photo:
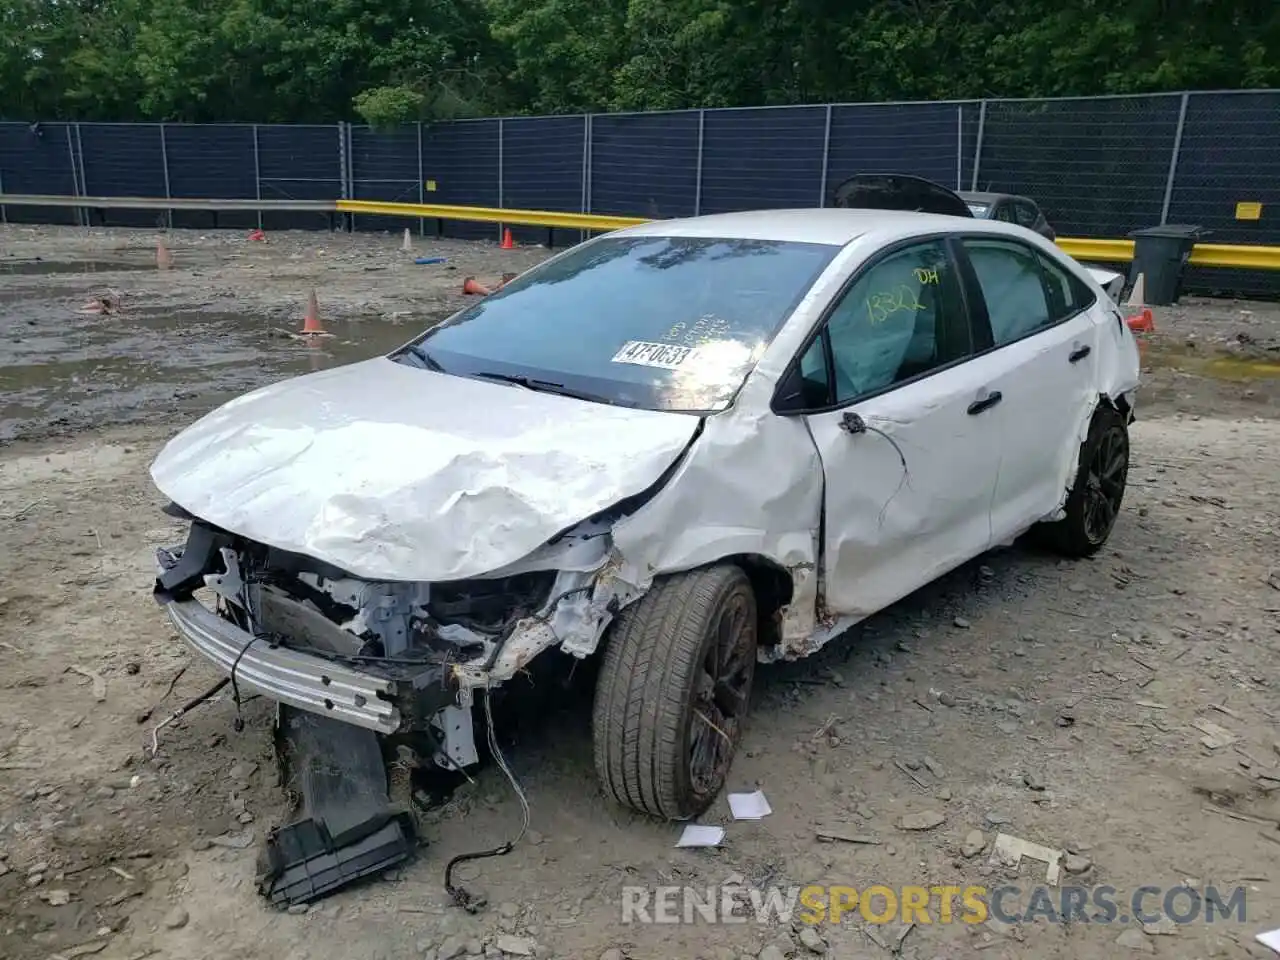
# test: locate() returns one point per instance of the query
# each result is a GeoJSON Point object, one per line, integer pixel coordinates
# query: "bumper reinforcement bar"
{"type": "Point", "coordinates": [300, 680]}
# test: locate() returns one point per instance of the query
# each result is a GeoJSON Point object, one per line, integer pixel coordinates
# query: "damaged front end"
{"type": "Point", "coordinates": [350, 660]}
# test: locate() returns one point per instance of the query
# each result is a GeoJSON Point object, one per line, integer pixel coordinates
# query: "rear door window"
{"type": "Point", "coordinates": [1024, 290]}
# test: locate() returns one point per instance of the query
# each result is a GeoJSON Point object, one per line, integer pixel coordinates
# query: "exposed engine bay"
{"type": "Point", "coordinates": [431, 644]}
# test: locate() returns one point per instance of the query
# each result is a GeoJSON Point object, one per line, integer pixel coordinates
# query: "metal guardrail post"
{"type": "Point", "coordinates": [977, 150]}
{"type": "Point", "coordinates": [826, 160]}
{"type": "Point", "coordinates": [257, 174]}
{"type": "Point", "coordinates": [164, 161]}
{"type": "Point", "coordinates": [1173, 159]}
{"type": "Point", "coordinates": [4, 214]}
{"type": "Point", "coordinates": [697, 188]}
{"type": "Point", "coordinates": [502, 134]}
{"type": "Point", "coordinates": [959, 144]}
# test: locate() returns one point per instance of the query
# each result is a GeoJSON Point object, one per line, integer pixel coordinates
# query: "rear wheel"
{"type": "Point", "coordinates": [673, 692]}
{"type": "Point", "coordinates": [1094, 501]}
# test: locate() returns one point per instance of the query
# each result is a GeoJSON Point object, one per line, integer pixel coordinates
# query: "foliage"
{"type": "Point", "coordinates": [385, 108]}
{"type": "Point", "coordinates": [393, 60]}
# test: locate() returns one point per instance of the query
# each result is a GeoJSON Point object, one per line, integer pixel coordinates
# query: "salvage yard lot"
{"type": "Point", "coordinates": [1058, 702]}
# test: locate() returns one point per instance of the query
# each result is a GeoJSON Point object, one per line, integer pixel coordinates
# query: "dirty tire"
{"type": "Point", "coordinates": [1095, 498]}
{"type": "Point", "coordinates": [654, 686]}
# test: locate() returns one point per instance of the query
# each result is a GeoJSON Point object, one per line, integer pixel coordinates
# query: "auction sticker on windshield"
{"type": "Point", "coordinates": [645, 354]}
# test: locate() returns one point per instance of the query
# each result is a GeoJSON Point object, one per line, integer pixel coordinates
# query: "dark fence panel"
{"type": "Point", "coordinates": [299, 163]}
{"type": "Point", "coordinates": [644, 164]}
{"type": "Point", "coordinates": [211, 162]}
{"type": "Point", "coordinates": [921, 139]}
{"type": "Point", "coordinates": [765, 158]}
{"type": "Point", "coordinates": [384, 166]}
{"type": "Point", "coordinates": [37, 160]}
{"type": "Point", "coordinates": [1097, 167]}
{"type": "Point", "coordinates": [1230, 153]}
{"type": "Point", "coordinates": [542, 165]}
{"type": "Point", "coordinates": [970, 123]}
{"type": "Point", "coordinates": [461, 161]}
{"type": "Point", "coordinates": [123, 160]}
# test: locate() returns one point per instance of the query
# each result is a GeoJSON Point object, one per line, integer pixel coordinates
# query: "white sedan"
{"type": "Point", "coordinates": [687, 447]}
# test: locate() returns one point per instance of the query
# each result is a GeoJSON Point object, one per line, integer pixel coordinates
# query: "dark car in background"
{"type": "Point", "coordinates": [1009, 208]}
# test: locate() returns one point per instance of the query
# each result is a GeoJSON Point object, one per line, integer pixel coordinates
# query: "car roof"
{"type": "Point", "coordinates": [982, 196]}
{"type": "Point", "coordinates": [830, 225]}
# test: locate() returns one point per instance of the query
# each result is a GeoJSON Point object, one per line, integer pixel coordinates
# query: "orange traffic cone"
{"type": "Point", "coordinates": [472, 286]}
{"type": "Point", "coordinates": [1141, 324]}
{"type": "Point", "coordinates": [311, 321]}
{"type": "Point", "coordinates": [1144, 322]}
{"type": "Point", "coordinates": [164, 260]}
{"type": "Point", "coordinates": [507, 243]}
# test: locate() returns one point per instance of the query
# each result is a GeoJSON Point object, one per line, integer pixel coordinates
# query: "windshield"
{"type": "Point", "coordinates": [979, 210]}
{"type": "Point", "coordinates": [663, 323]}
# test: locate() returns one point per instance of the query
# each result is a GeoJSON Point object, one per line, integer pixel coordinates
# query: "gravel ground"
{"type": "Point", "coordinates": [1063, 703]}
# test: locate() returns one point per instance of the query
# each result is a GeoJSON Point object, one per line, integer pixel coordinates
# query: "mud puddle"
{"type": "Point", "coordinates": [143, 366]}
{"type": "Point", "coordinates": [1218, 364]}
{"type": "Point", "coordinates": [43, 267]}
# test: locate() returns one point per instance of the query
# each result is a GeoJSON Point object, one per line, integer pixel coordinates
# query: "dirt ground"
{"type": "Point", "coordinates": [1049, 700]}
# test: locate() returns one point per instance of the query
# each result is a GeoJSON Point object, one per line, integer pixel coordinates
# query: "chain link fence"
{"type": "Point", "coordinates": [1099, 167]}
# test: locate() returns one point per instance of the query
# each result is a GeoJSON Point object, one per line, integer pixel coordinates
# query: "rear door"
{"type": "Point", "coordinates": [1039, 327]}
{"type": "Point", "coordinates": [905, 427]}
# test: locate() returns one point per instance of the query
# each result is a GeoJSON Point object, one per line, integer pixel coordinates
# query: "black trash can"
{"type": "Point", "coordinates": [1159, 254]}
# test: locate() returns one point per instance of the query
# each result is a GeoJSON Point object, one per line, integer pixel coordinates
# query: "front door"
{"type": "Point", "coordinates": [909, 446]}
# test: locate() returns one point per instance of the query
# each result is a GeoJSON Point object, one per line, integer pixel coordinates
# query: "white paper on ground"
{"type": "Point", "coordinates": [1270, 939]}
{"type": "Point", "coordinates": [696, 835]}
{"type": "Point", "coordinates": [749, 806]}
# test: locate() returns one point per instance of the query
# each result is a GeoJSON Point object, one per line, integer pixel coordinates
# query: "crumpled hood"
{"type": "Point", "coordinates": [391, 472]}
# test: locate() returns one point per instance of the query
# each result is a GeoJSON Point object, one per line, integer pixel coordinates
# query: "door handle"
{"type": "Point", "coordinates": [1079, 353]}
{"type": "Point", "coordinates": [986, 403]}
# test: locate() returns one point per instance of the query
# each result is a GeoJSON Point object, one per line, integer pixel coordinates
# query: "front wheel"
{"type": "Point", "coordinates": [1094, 501]}
{"type": "Point", "coordinates": [673, 692]}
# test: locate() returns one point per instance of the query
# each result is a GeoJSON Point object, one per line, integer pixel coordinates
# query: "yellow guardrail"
{"type": "Point", "coordinates": [515, 217]}
{"type": "Point", "coordinates": [1239, 256]}
{"type": "Point", "coordinates": [1108, 251]}
{"type": "Point", "coordinates": [1236, 255]}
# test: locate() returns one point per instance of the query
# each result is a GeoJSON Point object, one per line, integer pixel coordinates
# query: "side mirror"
{"type": "Point", "coordinates": [789, 397]}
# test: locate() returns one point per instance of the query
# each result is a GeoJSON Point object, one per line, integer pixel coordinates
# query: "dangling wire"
{"type": "Point", "coordinates": [461, 896]}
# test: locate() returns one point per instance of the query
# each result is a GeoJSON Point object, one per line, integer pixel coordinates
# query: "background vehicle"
{"type": "Point", "coordinates": [693, 445]}
{"type": "Point", "coordinates": [1008, 208]}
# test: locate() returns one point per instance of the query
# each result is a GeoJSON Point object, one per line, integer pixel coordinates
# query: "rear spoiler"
{"type": "Point", "coordinates": [1108, 280]}
{"type": "Point", "coordinates": [895, 191]}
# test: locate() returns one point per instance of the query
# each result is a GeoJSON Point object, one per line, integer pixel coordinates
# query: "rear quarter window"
{"type": "Point", "coordinates": [1067, 293]}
